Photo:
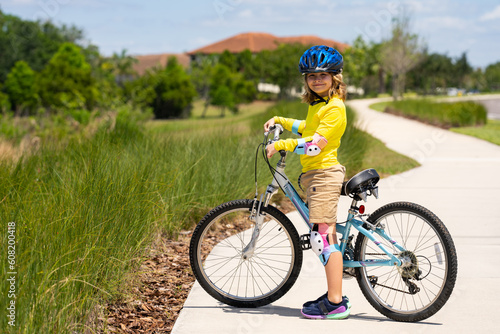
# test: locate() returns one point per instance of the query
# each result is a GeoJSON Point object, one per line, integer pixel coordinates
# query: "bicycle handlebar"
{"type": "Point", "coordinates": [277, 129]}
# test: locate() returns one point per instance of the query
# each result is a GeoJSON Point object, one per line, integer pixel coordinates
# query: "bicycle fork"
{"type": "Point", "coordinates": [257, 215]}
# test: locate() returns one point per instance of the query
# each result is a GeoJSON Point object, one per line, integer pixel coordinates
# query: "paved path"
{"type": "Point", "coordinates": [458, 180]}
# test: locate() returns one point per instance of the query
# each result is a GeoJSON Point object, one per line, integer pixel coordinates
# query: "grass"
{"type": "Point", "coordinates": [489, 132]}
{"type": "Point", "coordinates": [211, 120]}
{"type": "Point", "coordinates": [87, 208]}
{"type": "Point", "coordinates": [380, 106]}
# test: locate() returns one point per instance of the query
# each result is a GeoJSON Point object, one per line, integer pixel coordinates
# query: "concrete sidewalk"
{"type": "Point", "coordinates": [458, 181]}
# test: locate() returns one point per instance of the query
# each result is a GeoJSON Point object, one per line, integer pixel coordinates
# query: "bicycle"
{"type": "Point", "coordinates": [247, 253]}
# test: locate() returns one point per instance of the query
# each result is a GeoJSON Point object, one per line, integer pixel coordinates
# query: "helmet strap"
{"type": "Point", "coordinates": [321, 99]}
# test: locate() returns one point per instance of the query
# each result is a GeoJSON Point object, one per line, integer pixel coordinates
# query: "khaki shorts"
{"type": "Point", "coordinates": [323, 192]}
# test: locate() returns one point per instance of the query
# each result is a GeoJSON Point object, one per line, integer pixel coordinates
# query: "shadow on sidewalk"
{"type": "Point", "coordinates": [291, 312]}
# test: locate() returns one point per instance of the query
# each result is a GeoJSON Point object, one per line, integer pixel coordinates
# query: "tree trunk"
{"type": "Point", "coordinates": [381, 81]}
{"type": "Point", "coordinates": [395, 88]}
{"type": "Point", "coordinates": [204, 113]}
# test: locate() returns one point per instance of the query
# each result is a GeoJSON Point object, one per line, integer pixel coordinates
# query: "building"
{"type": "Point", "coordinates": [253, 41]}
{"type": "Point", "coordinates": [151, 61]}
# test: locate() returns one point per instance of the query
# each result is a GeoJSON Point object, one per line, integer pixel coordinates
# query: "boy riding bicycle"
{"type": "Point", "coordinates": [323, 175]}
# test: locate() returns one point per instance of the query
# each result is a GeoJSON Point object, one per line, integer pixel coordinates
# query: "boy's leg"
{"type": "Point", "coordinates": [323, 193]}
{"type": "Point", "coordinates": [333, 269]}
{"type": "Point", "coordinates": [331, 305]}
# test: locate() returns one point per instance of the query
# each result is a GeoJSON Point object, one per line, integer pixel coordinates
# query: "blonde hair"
{"type": "Point", "coordinates": [339, 88]}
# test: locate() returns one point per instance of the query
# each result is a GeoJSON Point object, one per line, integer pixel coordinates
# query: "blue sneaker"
{"type": "Point", "coordinates": [309, 303]}
{"type": "Point", "coordinates": [323, 309]}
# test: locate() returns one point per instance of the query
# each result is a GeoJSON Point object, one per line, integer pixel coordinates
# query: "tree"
{"type": "Point", "coordinates": [227, 89]}
{"type": "Point", "coordinates": [462, 70]}
{"type": "Point", "coordinates": [66, 81]}
{"type": "Point", "coordinates": [33, 42]}
{"type": "Point", "coordinates": [400, 54]}
{"type": "Point", "coordinates": [4, 102]}
{"type": "Point", "coordinates": [249, 65]}
{"type": "Point", "coordinates": [221, 91]}
{"type": "Point", "coordinates": [201, 72]}
{"type": "Point", "coordinates": [280, 67]}
{"type": "Point", "coordinates": [223, 97]}
{"type": "Point", "coordinates": [477, 80]}
{"type": "Point", "coordinates": [355, 61]}
{"type": "Point", "coordinates": [228, 59]}
{"type": "Point", "coordinates": [362, 66]}
{"type": "Point", "coordinates": [434, 72]}
{"type": "Point", "coordinates": [21, 88]}
{"type": "Point", "coordinates": [123, 66]}
{"type": "Point", "coordinates": [168, 91]}
{"type": "Point", "coordinates": [492, 75]}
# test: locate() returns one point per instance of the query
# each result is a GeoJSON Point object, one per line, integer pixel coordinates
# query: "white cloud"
{"type": "Point", "coordinates": [493, 15]}
{"type": "Point", "coordinates": [247, 13]}
{"type": "Point", "coordinates": [434, 24]}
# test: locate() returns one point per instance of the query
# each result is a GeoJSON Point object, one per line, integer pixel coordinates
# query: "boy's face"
{"type": "Point", "coordinates": [320, 83]}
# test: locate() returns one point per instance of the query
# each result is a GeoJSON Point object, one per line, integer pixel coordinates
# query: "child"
{"type": "Point", "coordinates": [322, 174]}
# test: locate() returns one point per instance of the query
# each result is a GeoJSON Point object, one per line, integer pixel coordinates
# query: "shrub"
{"type": "Point", "coordinates": [21, 88]}
{"type": "Point", "coordinates": [441, 114]}
{"type": "Point", "coordinates": [4, 103]}
{"type": "Point", "coordinates": [168, 91]}
{"type": "Point", "coordinates": [67, 80]}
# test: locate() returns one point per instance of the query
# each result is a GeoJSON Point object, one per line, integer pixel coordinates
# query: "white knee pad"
{"type": "Point", "coordinates": [321, 246]}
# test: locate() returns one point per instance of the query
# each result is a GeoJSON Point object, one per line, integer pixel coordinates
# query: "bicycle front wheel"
{"type": "Point", "coordinates": [423, 283]}
{"type": "Point", "coordinates": [242, 279]}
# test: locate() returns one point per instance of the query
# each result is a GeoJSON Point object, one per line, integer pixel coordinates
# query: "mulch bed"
{"type": "Point", "coordinates": [165, 281]}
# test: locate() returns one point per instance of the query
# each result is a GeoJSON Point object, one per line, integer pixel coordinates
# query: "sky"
{"type": "Point", "coordinates": [142, 27]}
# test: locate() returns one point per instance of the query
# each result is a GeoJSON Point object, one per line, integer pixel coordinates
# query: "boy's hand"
{"type": "Point", "coordinates": [269, 124]}
{"type": "Point", "coordinates": [270, 150]}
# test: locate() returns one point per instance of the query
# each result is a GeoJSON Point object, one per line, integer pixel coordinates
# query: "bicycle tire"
{"type": "Point", "coordinates": [216, 255]}
{"type": "Point", "coordinates": [422, 286]}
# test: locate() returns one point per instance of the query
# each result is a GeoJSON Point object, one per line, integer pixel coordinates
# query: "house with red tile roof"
{"type": "Point", "coordinates": [158, 60]}
{"type": "Point", "coordinates": [253, 41]}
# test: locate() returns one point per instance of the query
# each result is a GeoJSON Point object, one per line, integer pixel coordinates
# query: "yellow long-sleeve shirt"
{"type": "Point", "coordinates": [328, 120]}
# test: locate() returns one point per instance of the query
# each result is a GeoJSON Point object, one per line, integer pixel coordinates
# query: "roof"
{"type": "Point", "coordinates": [256, 42]}
{"type": "Point", "coordinates": [253, 41]}
{"type": "Point", "coordinates": [149, 61]}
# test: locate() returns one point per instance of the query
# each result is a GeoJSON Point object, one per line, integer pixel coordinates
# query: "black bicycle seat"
{"type": "Point", "coordinates": [360, 183]}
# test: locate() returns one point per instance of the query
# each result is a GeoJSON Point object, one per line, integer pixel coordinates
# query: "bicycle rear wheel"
{"type": "Point", "coordinates": [425, 281]}
{"type": "Point", "coordinates": [218, 264]}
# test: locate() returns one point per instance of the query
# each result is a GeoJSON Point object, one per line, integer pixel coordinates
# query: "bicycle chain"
{"type": "Point", "coordinates": [382, 285]}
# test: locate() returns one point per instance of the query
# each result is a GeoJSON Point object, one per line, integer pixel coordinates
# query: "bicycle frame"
{"type": "Point", "coordinates": [280, 180]}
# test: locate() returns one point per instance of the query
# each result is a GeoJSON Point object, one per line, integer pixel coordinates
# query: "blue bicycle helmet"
{"type": "Point", "coordinates": [321, 58]}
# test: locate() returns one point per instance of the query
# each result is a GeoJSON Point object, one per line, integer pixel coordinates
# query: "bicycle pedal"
{"type": "Point", "coordinates": [305, 241]}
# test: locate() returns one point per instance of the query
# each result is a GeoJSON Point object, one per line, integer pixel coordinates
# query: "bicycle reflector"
{"type": "Point", "coordinates": [361, 209]}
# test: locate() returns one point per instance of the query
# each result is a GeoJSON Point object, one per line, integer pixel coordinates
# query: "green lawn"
{"type": "Point", "coordinates": [380, 106]}
{"type": "Point", "coordinates": [489, 132]}
{"type": "Point", "coordinates": [212, 119]}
